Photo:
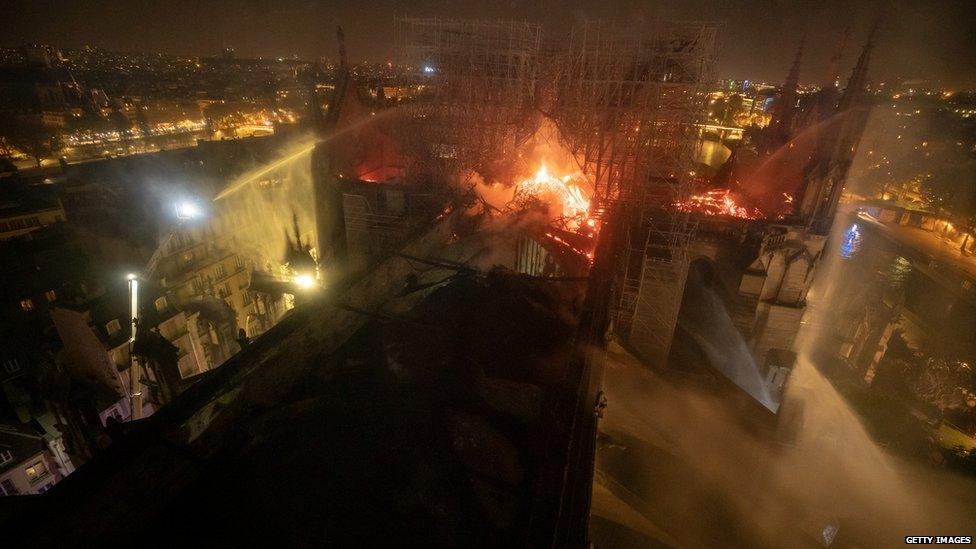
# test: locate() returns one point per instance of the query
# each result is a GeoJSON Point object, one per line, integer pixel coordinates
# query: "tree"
{"type": "Point", "coordinates": [29, 136]}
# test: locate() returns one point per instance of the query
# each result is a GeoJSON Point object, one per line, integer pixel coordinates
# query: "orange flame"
{"type": "Point", "coordinates": [559, 192]}
{"type": "Point", "coordinates": [717, 202]}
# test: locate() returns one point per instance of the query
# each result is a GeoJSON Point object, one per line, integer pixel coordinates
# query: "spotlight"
{"type": "Point", "coordinates": [187, 210]}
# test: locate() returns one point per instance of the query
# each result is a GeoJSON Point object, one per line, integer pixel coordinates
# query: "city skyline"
{"type": "Point", "coordinates": [759, 38]}
{"type": "Point", "coordinates": [610, 274]}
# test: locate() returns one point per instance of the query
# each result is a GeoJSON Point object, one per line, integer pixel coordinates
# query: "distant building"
{"type": "Point", "coordinates": [38, 55]}
{"type": "Point", "coordinates": [86, 362]}
{"type": "Point", "coordinates": [37, 274]}
{"type": "Point", "coordinates": [197, 336]}
{"type": "Point", "coordinates": [22, 410]}
{"type": "Point", "coordinates": [26, 465]}
{"type": "Point", "coordinates": [31, 89]}
{"type": "Point", "coordinates": [19, 217]}
{"type": "Point", "coordinates": [173, 345]}
{"type": "Point", "coordinates": [187, 330]}
{"type": "Point", "coordinates": [199, 272]}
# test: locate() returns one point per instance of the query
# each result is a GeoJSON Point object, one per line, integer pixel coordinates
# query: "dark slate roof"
{"type": "Point", "coordinates": [114, 305]}
{"type": "Point", "coordinates": [20, 442]}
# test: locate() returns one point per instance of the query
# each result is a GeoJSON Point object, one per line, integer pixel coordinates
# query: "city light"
{"type": "Point", "coordinates": [517, 257]}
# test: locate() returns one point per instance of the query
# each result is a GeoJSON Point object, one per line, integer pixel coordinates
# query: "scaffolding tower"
{"type": "Point", "coordinates": [625, 97]}
{"type": "Point", "coordinates": [476, 82]}
{"type": "Point", "coordinates": [628, 96]}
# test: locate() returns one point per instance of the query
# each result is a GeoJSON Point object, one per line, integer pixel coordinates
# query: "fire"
{"type": "Point", "coordinates": [718, 202]}
{"type": "Point", "coordinates": [567, 244]}
{"type": "Point", "coordinates": [558, 192]}
{"type": "Point", "coordinates": [569, 226]}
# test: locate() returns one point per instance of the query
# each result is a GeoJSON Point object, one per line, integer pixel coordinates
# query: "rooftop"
{"type": "Point", "coordinates": [435, 426]}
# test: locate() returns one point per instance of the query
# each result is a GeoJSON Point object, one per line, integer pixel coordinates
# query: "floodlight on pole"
{"type": "Point", "coordinates": [305, 282]}
{"type": "Point", "coordinates": [186, 210]}
{"type": "Point", "coordinates": [135, 383]}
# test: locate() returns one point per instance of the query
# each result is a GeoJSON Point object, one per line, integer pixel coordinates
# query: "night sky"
{"type": "Point", "coordinates": [921, 39]}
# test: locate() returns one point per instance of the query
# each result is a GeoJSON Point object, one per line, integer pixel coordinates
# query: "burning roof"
{"type": "Point", "coordinates": [718, 202]}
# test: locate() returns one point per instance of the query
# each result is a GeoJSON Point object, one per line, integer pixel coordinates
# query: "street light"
{"type": "Point", "coordinates": [135, 389]}
{"type": "Point", "coordinates": [133, 301]}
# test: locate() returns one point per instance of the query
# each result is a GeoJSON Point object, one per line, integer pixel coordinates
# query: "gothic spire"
{"type": "Point", "coordinates": [782, 120]}
{"type": "Point", "coordinates": [858, 81]}
{"type": "Point", "coordinates": [833, 66]}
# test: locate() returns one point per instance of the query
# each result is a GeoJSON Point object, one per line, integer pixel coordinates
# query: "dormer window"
{"type": "Point", "coordinates": [161, 304]}
{"type": "Point", "coordinates": [113, 327]}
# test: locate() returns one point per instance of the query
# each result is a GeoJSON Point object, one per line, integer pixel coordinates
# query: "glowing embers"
{"type": "Point", "coordinates": [563, 195]}
{"type": "Point", "coordinates": [553, 209]}
{"type": "Point", "coordinates": [718, 202]}
{"type": "Point", "coordinates": [565, 243]}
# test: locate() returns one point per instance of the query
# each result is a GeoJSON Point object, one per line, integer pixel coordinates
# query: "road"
{"type": "Point", "coordinates": [114, 149]}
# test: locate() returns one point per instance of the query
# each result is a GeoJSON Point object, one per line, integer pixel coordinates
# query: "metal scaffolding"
{"type": "Point", "coordinates": [628, 96]}
{"type": "Point", "coordinates": [476, 82]}
{"type": "Point", "coordinates": [624, 96]}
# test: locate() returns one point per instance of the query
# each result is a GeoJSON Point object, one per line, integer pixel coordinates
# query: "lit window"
{"type": "Point", "coordinates": [50, 295]}
{"type": "Point", "coordinates": [27, 304]}
{"type": "Point", "coordinates": [36, 471]}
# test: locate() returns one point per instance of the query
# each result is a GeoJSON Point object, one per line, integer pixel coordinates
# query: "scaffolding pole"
{"type": "Point", "coordinates": [625, 97]}
{"type": "Point", "coordinates": [628, 98]}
